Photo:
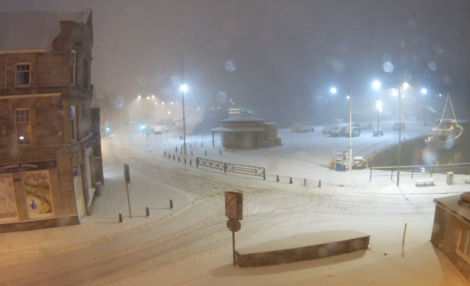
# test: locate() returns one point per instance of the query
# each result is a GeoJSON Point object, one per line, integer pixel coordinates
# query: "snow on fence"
{"type": "Point", "coordinates": [417, 171]}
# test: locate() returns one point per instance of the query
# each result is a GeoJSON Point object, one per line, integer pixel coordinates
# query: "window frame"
{"type": "Point", "coordinates": [73, 67]}
{"type": "Point", "coordinates": [73, 122]}
{"type": "Point", "coordinates": [29, 74]}
{"type": "Point", "coordinates": [463, 254]}
{"type": "Point", "coordinates": [18, 141]}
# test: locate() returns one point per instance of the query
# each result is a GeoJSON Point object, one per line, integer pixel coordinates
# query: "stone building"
{"type": "Point", "coordinates": [451, 230]}
{"type": "Point", "coordinates": [247, 132]}
{"type": "Point", "coordinates": [50, 150]}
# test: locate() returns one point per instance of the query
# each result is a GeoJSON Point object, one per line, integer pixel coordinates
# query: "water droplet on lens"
{"type": "Point", "coordinates": [432, 66]}
{"type": "Point", "coordinates": [230, 66]}
{"type": "Point", "coordinates": [388, 67]}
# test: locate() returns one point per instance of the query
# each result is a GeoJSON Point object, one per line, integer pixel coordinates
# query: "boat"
{"type": "Point", "coordinates": [447, 132]}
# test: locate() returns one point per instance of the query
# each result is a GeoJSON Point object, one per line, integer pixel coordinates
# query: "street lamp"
{"type": "Point", "coordinates": [183, 89]}
{"type": "Point", "coordinates": [376, 86]}
{"type": "Point", "coordinates": [405, 86]}
{"type": "Point", "coordinates": [350, 131]}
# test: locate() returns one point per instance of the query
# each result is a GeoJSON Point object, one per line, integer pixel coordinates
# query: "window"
{"type": "Point", "coordinates": [73, 123]}
{"type": "Point", "coordinates": [85, 73]}
{"type": "Point", "coordinates": [73, 61]}
{"type": "Point", "coordinates": [23, 126]}
{"type": "Point", "coordinates": [463, 249]}
{"type": "Point", "coordinates": [23, 74]}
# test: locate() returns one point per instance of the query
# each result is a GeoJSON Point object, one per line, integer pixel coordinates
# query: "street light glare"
{"type": "Point", "coordinates": [424, 91]}
{"type": "Point", "coordinates": [333, 90]}
{"type": "Point", "coordinates": [139, 96]}
{"type": "Point", "coordinates": [184, 88]}
{"type": "Point", "coordinates": [406, 85]}
{"type": "Point", "coordinates": [395, 92]}
{"type": "Point", "coordinates": [376, 85]}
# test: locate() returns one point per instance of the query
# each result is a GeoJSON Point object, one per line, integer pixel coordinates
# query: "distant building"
{"type": "Point", "coordinates": [50, 148]}
{"type": "Point", "coordinates": [451, 230]}
{"type": "Point", "coordinates": [247, 132]}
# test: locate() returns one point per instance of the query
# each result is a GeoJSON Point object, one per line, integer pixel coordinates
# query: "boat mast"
{"type": "Point", "coordinates": [451, 108]}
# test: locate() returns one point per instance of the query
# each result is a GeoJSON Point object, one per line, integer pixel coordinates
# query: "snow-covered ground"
{"type": "Point", "coordinates": [190, 244]}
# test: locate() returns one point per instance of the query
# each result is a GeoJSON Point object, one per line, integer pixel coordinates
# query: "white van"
{"type": "Point", "coordinates": [159, 129]}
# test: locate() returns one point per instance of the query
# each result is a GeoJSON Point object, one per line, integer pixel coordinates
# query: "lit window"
{"type": "Point", "coordinates": [23, 126]}
{"type": "Point", "coordinates": [73, 62]}
{"type": "Point", "coordinates": [23, 74]}
{"type": "Point", "coordinates": [463, 249]}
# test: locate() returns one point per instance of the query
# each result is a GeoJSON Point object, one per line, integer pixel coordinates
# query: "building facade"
{"type": "Point", "coordinates": [50, 152]}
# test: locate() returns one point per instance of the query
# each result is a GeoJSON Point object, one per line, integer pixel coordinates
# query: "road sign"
{"type": "Point", "coordinates": [233, 225]}
{"type": "Point", "coordinates": [127, 176]}
{"type": "Point", "coordinates": [234, 205]}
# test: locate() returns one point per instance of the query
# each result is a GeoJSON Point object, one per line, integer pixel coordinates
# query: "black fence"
{"type": "Point", "coordinates": [412, 172]}
{"type": "Point", "coordinates": [229, 167]}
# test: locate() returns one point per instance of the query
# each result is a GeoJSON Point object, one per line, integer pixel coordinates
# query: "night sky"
{"type": "Point", "coordinates": [279, 58]}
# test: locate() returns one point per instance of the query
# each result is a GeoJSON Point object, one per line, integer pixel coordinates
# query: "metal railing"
{"type": "Point", "coordinates": [412, 172]}
{"type": "Point", "coordinates": [230, 167]}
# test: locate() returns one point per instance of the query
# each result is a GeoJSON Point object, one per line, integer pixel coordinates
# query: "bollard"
{"type": "Point", "coordinates": [205, 152]}
{"type": "Point", "coordinates": [185, 160]}
{"type": "Point", "coordinates": [189, 145]}
{"type": "Point", "coordinates": [169, 156]}
{"type": "Point", "coordinates": [319, 183]}
{"type": "Point", "coordinates": [290, 180]}
{"type": "Point", "coordinates": [220, 151]}
{"type": "Point", "coordinates": [120, 218]}
{"type": "Point", "coordinates": [190, 164]}
{"type": "Point", "coordinates": [404, 234]}
{"type": "Point", "coordinates": [179, 159]}
{"type": "Point", "coordinates": [191, 152]}
{"type": "Point", "coordinates": [305, 182]}
{"type": "Point", "coordinates": [165, 153]}
{"type": "Point", "coordinates": [201, 144]}
{"type": "Point", "coordinates": [173, 157]}
{"type": "Point", "coordinates": [181, 151]}
{"type": "Point", "coordinates": [176, 149]}
{"type": "Point", "coordinates": [147, 211]}
{"type": "Point", "coordinates": [171, 204]}
{"type": "Point", "coordinates": [277, 178]}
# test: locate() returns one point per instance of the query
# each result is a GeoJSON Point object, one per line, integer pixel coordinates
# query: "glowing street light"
{"type": "Point", "coordinates": [333, 90]}
{"type": "Point", "coordinates": [376, 86]}
{"type": "Point", "coordinates": [424, 91]}
{"type": "Point", "coordinates": [184, 89]}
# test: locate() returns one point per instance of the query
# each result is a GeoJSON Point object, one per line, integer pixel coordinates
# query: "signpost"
{"type": "Point", "coordinates": [127, 178]}
{"type": "Point", "coordinates": [234, 212]}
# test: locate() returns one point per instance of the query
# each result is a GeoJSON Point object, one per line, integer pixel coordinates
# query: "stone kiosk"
{"type": "Point", "coordinates": [247, 132]}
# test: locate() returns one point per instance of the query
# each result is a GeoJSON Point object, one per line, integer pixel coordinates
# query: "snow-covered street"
{"type": "Point", "coordinates": [190, 244]}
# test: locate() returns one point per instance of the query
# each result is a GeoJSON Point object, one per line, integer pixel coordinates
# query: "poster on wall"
{"type": "Point", "coordinates": [38, 194]}
{"type": "Point", "coordinates": [7, 198]}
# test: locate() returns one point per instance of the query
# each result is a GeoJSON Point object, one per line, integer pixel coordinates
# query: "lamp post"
{"type": "Point", "coordinates": [376, 86]}
{"type": "Point", "coordinates": [183, 89]}
{"type": "Point", "coordinates": [350, 131]}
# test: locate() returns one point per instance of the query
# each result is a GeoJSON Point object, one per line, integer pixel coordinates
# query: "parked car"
{"type": "Point", "coordinates": [377, 132]}
{"type": "Point", "coordinates": [302, 127]}
{"type": "Point", "coordinates": [330, 125]}
{"type": "Point", "coordinates": [396, 126]}
{"type": "Point", "coordinates": [159, 129]}
{"type": "Point", "coordinates": [356, 131]}
{"type": "Point", "coordinates": [338, 130]}
{"type": "Point", "coordinates": [335, 131]}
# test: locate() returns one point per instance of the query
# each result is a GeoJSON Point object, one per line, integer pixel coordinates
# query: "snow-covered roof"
{"type": "Point", "coordinates": [33, 31]}
{"type": "Point", "coordinates": [243, 118]}
{"type": "Point", "coordinates": [452, 203]}
{"type": "Point", "coordinates": [247, 129]}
